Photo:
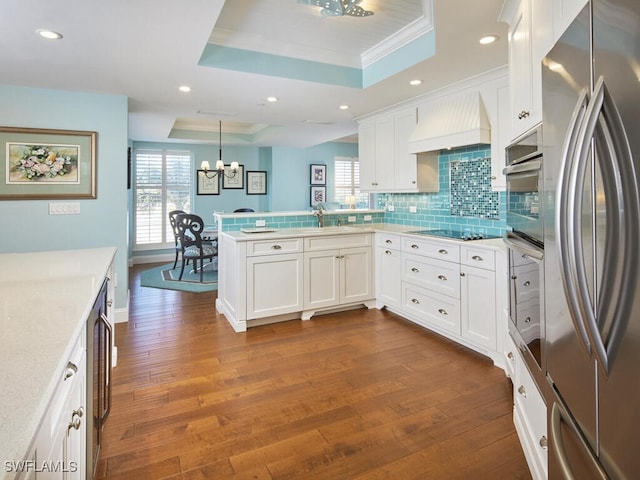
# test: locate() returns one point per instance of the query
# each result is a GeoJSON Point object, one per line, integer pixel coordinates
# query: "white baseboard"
{"type": "Point", "coordinates": [121, 315]}
{"type": "Point", "coordinates": [161, 257]}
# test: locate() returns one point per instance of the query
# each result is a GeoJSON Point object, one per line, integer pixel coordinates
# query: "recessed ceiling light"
{"type": "Point", "coordinates": [184, 88]}
{"type": "Point", "coordinates": [272, 99]}
{"type": "Point", "coordinates": [488, 39]}
{"type": "Point", "coordinates": [415, 82]}
{"type": "Point", "coordinates": [344, 107]}
{"type": "Point", "coordinates": [48, 34]}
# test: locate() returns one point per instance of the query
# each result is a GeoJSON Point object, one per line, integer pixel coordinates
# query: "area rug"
{"type": "Point", "coordinates": [164, 277]}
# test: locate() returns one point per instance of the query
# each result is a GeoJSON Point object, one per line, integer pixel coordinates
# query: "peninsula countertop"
{"type": "Point", "coordinates": [274, 233]}
{"type": "Point", "coordinates": [45, 298]}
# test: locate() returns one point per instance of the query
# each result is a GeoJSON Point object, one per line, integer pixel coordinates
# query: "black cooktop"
{"type": "Point", "coordinates": [456, 234]}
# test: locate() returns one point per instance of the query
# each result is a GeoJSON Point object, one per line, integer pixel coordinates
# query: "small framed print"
{"type": "Point", "coordinates": [208, 185]}
{"type": "Point", "coordinates": [256, 182]}
{"type": "Point", "coordinates": [318, 195]}
{"type": "Point", "coordinates": [233, 181]}
{"type": "Point", "coordinates": [318, 175]}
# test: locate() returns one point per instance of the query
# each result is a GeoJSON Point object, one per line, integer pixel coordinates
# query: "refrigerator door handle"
{"type": "Point", "coordinates": [559, 416]}
{"type": "Point", "coordinates": [564, 206]}
{"type": "Point", "coordinates": [619, 181]}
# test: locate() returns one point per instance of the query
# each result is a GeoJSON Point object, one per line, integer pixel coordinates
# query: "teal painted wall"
{"type": "Point", "coordinates": [291, 173]}
{"type": "Point", "coordinates": [27, 225]}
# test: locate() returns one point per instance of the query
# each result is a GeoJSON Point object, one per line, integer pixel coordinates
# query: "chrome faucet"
{"type": "Point", "coordinates": [319, 212]}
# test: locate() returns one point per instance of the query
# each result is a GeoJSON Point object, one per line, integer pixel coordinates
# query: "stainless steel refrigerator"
{"type": "Point", "coordinates": [591, 159]}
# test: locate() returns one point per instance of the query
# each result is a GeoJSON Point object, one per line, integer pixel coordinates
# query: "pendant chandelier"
{"type": "Point", "coordinates": [220, 167]}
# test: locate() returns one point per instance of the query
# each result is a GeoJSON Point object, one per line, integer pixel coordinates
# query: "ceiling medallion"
{"type": "Point", "coordinates": [339, 8]}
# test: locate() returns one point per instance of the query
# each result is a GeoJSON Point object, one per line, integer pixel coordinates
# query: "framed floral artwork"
{"type": "Point", "coordinates": [318, 195]}
{"type": "Point", "coordinates": [47, 164]}
{"type": "Point", "coordinates": [318, 175]}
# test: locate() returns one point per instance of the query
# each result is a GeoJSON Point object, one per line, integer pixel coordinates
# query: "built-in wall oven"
{"type": "Point", "coordinates": [524, 180]}
{"type": "Point", "coordinates": [526, 250]}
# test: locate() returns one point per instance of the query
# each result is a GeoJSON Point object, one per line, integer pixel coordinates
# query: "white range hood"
{"type": "Point", "coordinates": [451, 122]}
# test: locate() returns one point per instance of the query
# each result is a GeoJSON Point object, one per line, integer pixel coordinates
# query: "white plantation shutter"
{"type": "Point", "coordinates": [162, 184]}
{"type": "Point", "coordinates": [347, 181]}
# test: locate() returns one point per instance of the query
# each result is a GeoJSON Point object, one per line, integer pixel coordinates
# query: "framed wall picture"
{"type": "Point", "coordinates": [318, 175]}
{"type": "Point", "coordinates": [47, 164]}
{"type": "Point", "coordinates": [318, 195]}
{"type": "Point", "coordinates": [256, 182]}
{"type": "Point", "coordinates": [235, 181]}
{"type": "Point", "coordinates": [207, 185]}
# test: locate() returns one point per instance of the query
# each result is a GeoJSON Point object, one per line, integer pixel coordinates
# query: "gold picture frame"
{"type": "Point", "coordinates": [41, 164]}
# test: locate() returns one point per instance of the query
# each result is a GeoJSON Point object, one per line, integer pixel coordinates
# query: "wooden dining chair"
{"type": "Point", "coordinates": [176, 235]}
{"type": "Point", "coordinates": [190, 227]}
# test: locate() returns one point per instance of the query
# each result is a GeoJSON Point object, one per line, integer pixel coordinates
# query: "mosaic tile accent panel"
{"type": "Point", "coordinates": [433, 210]}
{"type": "Point", "coordinates": [471, 194]}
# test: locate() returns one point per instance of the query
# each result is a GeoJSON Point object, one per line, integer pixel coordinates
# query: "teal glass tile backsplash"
{"type": "Point", "coordinates": [465, 200]}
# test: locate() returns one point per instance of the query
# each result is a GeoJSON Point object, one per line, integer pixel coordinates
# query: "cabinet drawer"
{"type": "Point", "coordinates": [428, 248]}
{"type": "Point", "coordinates": [337, 241]}
{"type": "Point", "coordinates": [478, 257]}
{"type": "Point", "coordinates": [532, 408]}
{"type": "Point", "coordinates": [388, 240]}
{"type": "Point", "coordinates": [438, 310]}
{"type": "Point", "coordinates": [274, 247]}
{"type": "Point", "coordinates": [436, 275]}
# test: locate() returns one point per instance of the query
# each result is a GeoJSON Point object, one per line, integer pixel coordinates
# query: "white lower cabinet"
{"type": "Point", "coordinates": [446, 286]}
{"type": "Point", "coordinates": [276, 282]}
{"type": "Point", "coordinates": [337, 277]}
{"type": "Point", "coordinates": [59, 450]}
{"type": "Point", "coordinates": [388, 271]}
{"type": "Point", "coordinates": [530, 419]}
{"type": "Point", "coordinates": [288, 277]}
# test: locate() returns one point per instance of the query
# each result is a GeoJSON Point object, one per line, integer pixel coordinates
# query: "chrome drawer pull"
{"type": "Point", "coordinates": [389, 242]}
{"type": "Point", "coordinates": [442, 277]}
{"type": "Point", "coordinates": [276, 247]}
{"type": "Point", "coordinates": [442, 251]}
{"type": "Point", "coordinates": [527, 283]}
{"type": "Point", "coordinates": [415, 270]}
{"type": "Point", "coordinates": [522, 391]}
{"type": "Point", "coordinates": [527, 320]}
{"type": "Point", "coordinates": [510, 355]}
{"type": "Point", "coordinates": [477, 258]}
{"type": "Point", "coordinates": [415, 300]}
{"type": "Point", "coordinates": [544, 443]}
{"type": "Point", "coordinates": [388, 252]}
{"type": "Point", "coordinates": [414, 246]}
{"type": "Point", "coordinates": [442, 311]}
{"type": "Point", "coordinates": [70, 371]}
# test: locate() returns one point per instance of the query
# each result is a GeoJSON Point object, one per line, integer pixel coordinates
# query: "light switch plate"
{"type": "Point", "coordinates": [367, 218]}
{"type": "Point", "coordinates": [391, 208]}
{"type": "Point", "coordinates": [413, 209]}
{"type": "Point", "coordinates": [64, 208]}
{"type": "Point", "coordinates": [261, 223]}
{"type": "Point", "coordinates": [351, 218]}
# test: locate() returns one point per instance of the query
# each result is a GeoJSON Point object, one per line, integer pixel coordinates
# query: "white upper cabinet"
{"type": "Point", "coordinates": [385, 162]}
{"type": "Point", "coordinates": [525, 103]}
{"type": "Point", "coordinates": [564, 12]}
{"type": "Point", "coordinates": [534, 27]}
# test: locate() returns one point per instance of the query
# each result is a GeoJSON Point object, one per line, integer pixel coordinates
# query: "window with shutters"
{"type": "Point", "coordinates": [162, 184]}
{"type": "Point", "coordinates": [347, 182]}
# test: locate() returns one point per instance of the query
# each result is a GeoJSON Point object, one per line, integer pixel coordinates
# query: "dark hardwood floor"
{"type": "Point", "coordinates": [356, 395]}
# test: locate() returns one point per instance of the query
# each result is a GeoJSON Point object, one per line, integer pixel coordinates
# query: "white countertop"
{"type": "Point", "coordinates": [45, 298]}
{"type": "Point", "coordinates": [239, 236]}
